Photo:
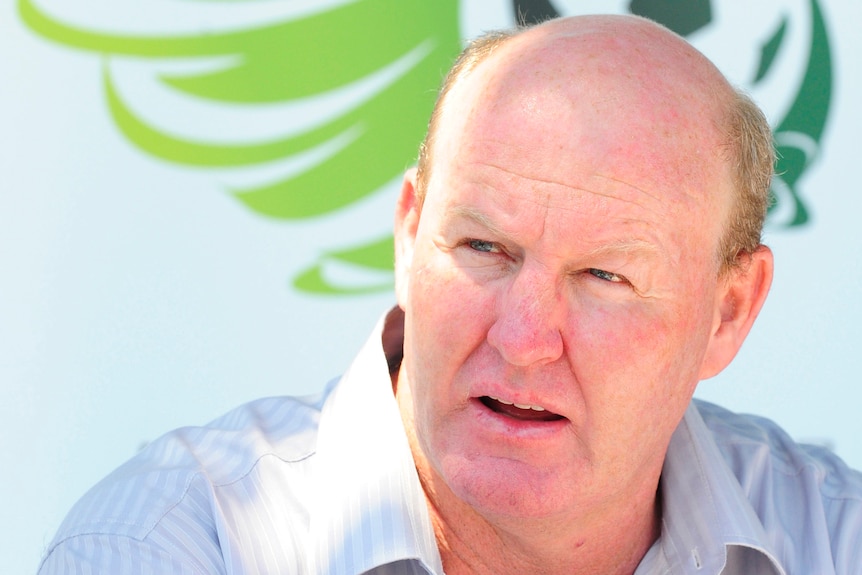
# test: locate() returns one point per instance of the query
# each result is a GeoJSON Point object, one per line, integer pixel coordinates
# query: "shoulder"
{"type": "Point", "coordinates": [756, 446]}
{"type": "Point", "coordinates": [805, 496]}
{"type": "Point", "coordinates": [187, 484]}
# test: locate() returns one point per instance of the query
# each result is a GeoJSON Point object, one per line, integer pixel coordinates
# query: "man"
{"type": "Point", "coordinates": [579, 246]}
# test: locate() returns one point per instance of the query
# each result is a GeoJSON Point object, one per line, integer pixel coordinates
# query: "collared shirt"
{"type": "Point", "coordinates": [327, 485]}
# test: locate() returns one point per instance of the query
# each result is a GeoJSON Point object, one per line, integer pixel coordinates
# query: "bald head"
{"type": "Point", "coordinates": [632, 94]}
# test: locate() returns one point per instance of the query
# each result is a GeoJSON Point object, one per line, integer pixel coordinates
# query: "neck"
{"type": "Point", "coordinates": [608, 542]}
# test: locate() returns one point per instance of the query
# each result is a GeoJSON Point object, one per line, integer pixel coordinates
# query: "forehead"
{"type": "Point", "coordinates": [576, 106]}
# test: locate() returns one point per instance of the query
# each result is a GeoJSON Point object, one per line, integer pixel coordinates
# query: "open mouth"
{"type": "Point", "coordinates": [519, 411]}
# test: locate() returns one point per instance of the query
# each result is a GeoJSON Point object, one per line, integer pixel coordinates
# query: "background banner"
{"type": "Point", "coordinates": [197, 203]}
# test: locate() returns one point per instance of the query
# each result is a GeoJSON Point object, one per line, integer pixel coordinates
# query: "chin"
{"type": "Point", "coordinates": [506, 489]}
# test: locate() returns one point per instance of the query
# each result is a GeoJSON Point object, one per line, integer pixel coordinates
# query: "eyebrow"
{"type": "Point", "coordinates": [477, 217]}
{"type": "Point", "coordinates": [627, 246]}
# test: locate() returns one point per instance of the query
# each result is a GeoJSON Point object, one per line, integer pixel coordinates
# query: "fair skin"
{"type": "Point", "coordinates": [565, 260]}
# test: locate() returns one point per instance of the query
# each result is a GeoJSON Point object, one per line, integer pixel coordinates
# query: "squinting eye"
{"type": "Point", "coordinates": [483, 246]}
{"type": "Point", "coordinates": [607, 276]}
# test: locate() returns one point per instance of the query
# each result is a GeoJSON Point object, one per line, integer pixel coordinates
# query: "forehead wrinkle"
{"type": "Point", "coordinates": [637, 196]}
{"type": "Point", "coordinates": [627, 185]}
{"type": "Point", "coordinates": [653, 206]}
{"type": "Point", "coordinates": [684, 191]}
{"type": "Point", "coordinates": [520, 176]}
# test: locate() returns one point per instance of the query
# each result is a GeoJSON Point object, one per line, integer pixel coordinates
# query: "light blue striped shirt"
{"type": "Point", "coordinates": [327, 486]}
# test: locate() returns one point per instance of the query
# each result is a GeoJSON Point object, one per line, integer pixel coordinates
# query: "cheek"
{"type": "Point", "coordinates": [447, 320]}
{"type": "Point", "coordinates": [636, 374]}
{"type": "Point", "coordinates": [446, 308]}
{"type": "Point", "coordinates": [638, 357]}
{"type": "Point", "coordinates": [445, 324]}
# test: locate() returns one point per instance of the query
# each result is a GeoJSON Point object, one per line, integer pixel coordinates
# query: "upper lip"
{"type": "Point", "coordinates": [519, 405]}
{"type": "Point", "coordinates": [522, 398]}
{"type": "Point", "coordinates": [552, 392]}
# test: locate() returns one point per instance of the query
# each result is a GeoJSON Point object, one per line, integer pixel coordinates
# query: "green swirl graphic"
{"type": "Point", "coordinates": [798, 134]}
{"type": "Point", "coordinates": [284, 62]}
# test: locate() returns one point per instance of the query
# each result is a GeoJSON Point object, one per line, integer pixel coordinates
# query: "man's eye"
{"type": "Point", "coordinates": [483, 246]}
{"type": "Point", "coordinates": [607, 276]}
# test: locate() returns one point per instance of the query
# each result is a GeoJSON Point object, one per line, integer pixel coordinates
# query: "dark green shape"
{"type": "Point", "coordinates": [682, 16]}
{"type": "Point", "coordinates": [770, 50]}
{"type": "Point", "coordinates": [533, 11]}
{"type": "Point", "coordinates": [807, 115]}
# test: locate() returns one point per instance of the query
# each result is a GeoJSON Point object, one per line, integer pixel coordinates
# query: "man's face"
{"type": "Point", "coordinates": [560, 286]}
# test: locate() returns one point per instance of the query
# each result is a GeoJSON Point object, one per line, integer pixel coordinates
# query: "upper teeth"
{"type": "Point", "coordinates": [519, 405]}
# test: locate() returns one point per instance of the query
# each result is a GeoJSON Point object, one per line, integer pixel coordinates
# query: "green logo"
{"type": "Point", "coordinates": [799, 129]}
{"type": "Point", "coordinates": [388, 55]}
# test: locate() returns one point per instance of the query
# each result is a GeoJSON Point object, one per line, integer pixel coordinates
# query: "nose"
{"type": "Point", "coordinates": [529, 320]}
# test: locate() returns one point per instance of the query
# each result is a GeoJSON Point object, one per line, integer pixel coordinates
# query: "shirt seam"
{"type": "Point", "coordinates": [101, 526]}
{"type": "Point", "coordinates": [68, 538]}
{"type": "Point", "coordinates": [251, 467]}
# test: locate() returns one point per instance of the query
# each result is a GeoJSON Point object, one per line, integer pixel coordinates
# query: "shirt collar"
{"type": "Point", "coordinates": [706, 517]}
{"type": "Point", "coordinates": [370, 510]}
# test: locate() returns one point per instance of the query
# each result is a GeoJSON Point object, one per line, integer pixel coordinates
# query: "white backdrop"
{"type": "Point", "coordinates": [137, 295]}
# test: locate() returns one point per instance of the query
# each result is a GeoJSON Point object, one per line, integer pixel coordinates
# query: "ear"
{"type": "Point", "coordinates": [738, 301]}
{"type": "Point", "coordinates": [406, 224]}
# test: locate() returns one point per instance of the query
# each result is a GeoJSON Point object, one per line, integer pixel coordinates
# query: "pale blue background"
{"type": "Point", "coordinates": [136, 296]}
